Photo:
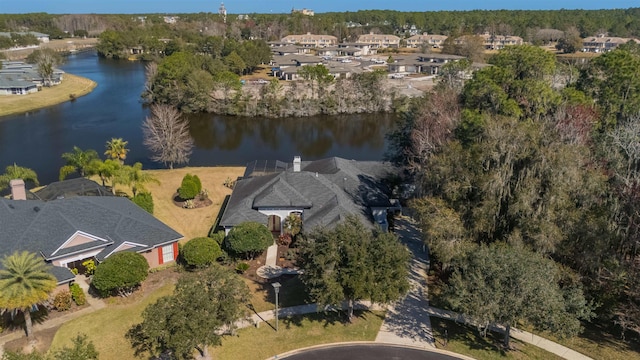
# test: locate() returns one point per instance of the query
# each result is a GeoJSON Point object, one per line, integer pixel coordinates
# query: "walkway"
{"type": "Point", "coordinates": [406, 321]}
{"type": "Point", "coordinates": [270, 270]}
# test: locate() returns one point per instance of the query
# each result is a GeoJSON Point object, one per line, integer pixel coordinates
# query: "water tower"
{"type": "Point", "coordinates": [223, 12]}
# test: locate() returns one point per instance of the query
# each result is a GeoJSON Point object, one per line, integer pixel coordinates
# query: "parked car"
{"type": "Point", "coordinates": [397, 76]}
{"type": "Point", "coordinates": [346, 60]}
{"type": "Point", "coordinates": [262, 81]}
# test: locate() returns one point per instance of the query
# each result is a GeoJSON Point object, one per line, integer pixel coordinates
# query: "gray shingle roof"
{"type": "Point", "coordinates": [327, 189]}
{"type": "Point", "coordinates": [43, 227]}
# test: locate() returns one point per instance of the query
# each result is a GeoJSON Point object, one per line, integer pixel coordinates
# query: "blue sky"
{"type": "Point", "coordinates": [280, 6]}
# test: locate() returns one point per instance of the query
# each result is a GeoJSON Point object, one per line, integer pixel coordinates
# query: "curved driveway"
{"type": "Point", "coordinates": [367, 352]}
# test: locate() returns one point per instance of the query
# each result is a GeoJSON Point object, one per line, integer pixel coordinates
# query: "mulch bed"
{"type": "Point", "coordinates": [198, 202]}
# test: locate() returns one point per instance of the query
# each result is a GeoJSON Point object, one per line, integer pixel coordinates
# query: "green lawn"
{"type": "Point", "coordinates": [297, 332]}
{"type": "Point", "coordinates": [107, 327]}
{"type": "Point", "coordinates": [466, 340]}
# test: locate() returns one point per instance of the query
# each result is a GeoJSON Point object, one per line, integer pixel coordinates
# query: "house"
{"type": "Point", "coordinates": [602, 43]}
{"type": "Point", "coordinates": [435, 41]}
{"type": "Point", "coordinates": [429, 64]}
{"type": "Point", "coordinates": [310, 40]}
{"type": "Point", "coordinates": [19, 78]}
{"type": "Point", "coordinates": [10, 86]}
{"type": "Point", "coordinates": [321, 192]}
{"type": "Point", "coordinates": [68, 231]}
{"type": "Point", "coordinates": [379, 40]}
{"type": "Point", "coordinates": [498, 42]}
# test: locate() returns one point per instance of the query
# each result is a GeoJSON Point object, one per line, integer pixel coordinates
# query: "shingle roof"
{"type": "Point", "coordinates": [326, 189]}
{"type": "Point", "coordinates": [43, 227]}
{"type": "Point", "coordinates": [71, 188]}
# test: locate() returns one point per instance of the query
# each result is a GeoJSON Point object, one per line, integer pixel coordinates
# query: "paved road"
{"type": "Point", "coordinates": [368, 352]}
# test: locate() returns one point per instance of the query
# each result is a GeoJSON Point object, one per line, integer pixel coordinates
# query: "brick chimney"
{"type": "Point", "coordinates": [296, 163]}
{"type": "Point", "coordinates": [18, 191]}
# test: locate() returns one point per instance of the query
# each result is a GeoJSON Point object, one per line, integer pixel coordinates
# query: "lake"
{"type": "Point", "coordinates": [37, 139]}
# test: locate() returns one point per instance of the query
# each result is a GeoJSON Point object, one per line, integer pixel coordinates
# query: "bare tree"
{"type": "Point", "coordinates": [166, 134]}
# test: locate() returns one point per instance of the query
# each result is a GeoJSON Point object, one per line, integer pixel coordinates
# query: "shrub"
{"type": "Point", "coordinates": [218, 237]}
{"type": "Point", "coordinates": [90, 266]}
{"type": "Point", "coordinates": [189, 204]}
{"type": "Point", "coordinates": [74, 271]}
{"type": "Point", "coordinates": [201, 252]}
{"type": "Point", "coordinates": [248, 239]}
{"type": "Point", "coordinates": [120, 273]}
{"type": "Point", "coordinates": [190, 187]}
{"type": "Point", "coordinates": [62, 301]}
{"type": "Point", "coordinates": [145, 201]}
{"type": "Point", "coordinates": [284, 239]}
{"type": "Point", "coordinates": [242, 267]}
{"type": "Point", "coordinates": [77, 294]}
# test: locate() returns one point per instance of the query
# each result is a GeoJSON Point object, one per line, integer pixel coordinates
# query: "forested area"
{"type": "Point", "coordinates": [517, 178]}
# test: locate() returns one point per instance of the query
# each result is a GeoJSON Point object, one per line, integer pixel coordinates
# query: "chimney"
{"type": "Point", "coordinates": [296, 163]}
{"type": "Point", "coordinates": [17, 189]}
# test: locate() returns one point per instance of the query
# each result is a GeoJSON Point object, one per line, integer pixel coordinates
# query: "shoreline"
{"type": "Point", "coordinates": [71, 88]}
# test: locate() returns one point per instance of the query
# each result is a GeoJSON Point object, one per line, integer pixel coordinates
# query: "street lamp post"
{"type": "Point", "coordinates": [276, 287]}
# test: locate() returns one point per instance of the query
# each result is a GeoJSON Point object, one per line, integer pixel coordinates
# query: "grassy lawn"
{"type": "Point", "coordinates": [107, 327]}
{"type": "Point", "coordinates": [599, 342]}
{"type": "Point", "coordinates": [292, 293]}
{"type": "Point", "coordinates": [190, 222]}
{"type": "Point", "coordinates": [465, 340]}
{"type": "Point", "coordinates": [71, 84]}
{"type": "Point", "coordinates": [297, 332]}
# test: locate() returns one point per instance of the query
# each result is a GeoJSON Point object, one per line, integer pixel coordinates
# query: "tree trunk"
{"type": "Point", "coordinates": [507, 336]}
{"type": "Point", "coordinates": [204, 352]}
{"type": "Point", "coordinates": [350, 310]}
{"type": "Point", "coordinates": [27, 322]}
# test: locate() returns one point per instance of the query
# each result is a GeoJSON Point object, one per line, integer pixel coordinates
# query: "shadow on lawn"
{"type": "Point", "coordinates": [330, 317]}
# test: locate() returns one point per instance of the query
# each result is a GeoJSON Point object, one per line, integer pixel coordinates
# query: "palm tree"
{"type": "Point", "coordinates": [105, 169]}
{"type": "Point", "coordinates": [17, 172]}
{"type": "Point", "coordinates": [77, 160]}
{"type": "Point", "coordinates": [117, 149]}
{"type": "Point", "coordinates": [133, 176]}
{"type": "Point", "coordinates": [24, 282]}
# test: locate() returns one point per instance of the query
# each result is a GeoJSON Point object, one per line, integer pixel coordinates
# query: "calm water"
{"type": "Point", "coordinates": [37, 139]}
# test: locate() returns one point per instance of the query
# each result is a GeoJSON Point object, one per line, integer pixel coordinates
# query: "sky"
{"type": "Point", "coordinates": [285, 6]}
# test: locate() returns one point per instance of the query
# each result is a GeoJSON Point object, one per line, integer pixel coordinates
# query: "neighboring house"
{"type": "Point", "coordinates": [68, 231]}
{"type": "Point", "coordinates": [286, 67]}
{"type": "Point", "coordinates": [43, 38]}
{"type": "Point", "coordinates": [435, 41]}
{"type": "Point", "coordinates": [307, 12]}
{"type": "Point", "coordinates": [429, 64]}
{"type": "Point", "coordinates": [290, 50]}
{"type": "Point", "coordinates": [70, 188]}
{"type": "Point", "coordinates": [379, 40]}
{"type": "Point", "coordinates": [19, 78]}
{"type": "Point", "coordinates": [602, 43]}
{"type": "Point", "coordinates": [498, 42]}
{"type": "Point", "coordinates": [321, 192]}
{"type": "Point", "coordinates": [310, 40]}
{"type": "Point", "coordinates": [366, 48]}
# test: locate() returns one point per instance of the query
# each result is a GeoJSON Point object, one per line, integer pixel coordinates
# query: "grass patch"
{"type": "Point", "coordinates": [107, 327]}
{"type": "Point", "coordinates": [72, 86]}
{"type": "Point", "coordinates": [292, 293]}
{"type": "Point", "coordinates": [191, 223]}
{"type": "Point", "coordinates": [466, 340]}
{"type": "Point", "coordinates": [599, 342]}
{"type": "Point", "coordinates": [298, 332]}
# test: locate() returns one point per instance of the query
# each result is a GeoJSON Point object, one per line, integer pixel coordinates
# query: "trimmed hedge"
{"type": "Point", "coordinates": [77, 294]}
{"type": "Point", "coordinates": [120, 273]}
{"type": "Point", "coordinates": [200, 252]}
{"type": "Point", "coordinates": [190, 187]}
{"type": "Point", "coordinates": [248, 239]}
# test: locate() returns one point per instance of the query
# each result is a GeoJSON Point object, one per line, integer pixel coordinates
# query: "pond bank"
{"type": "Point", "coordinates": [71, 88]}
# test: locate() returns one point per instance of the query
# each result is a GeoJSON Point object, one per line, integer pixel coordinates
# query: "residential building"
{"type": "Point", "coordinates": [310, 40]}
{"type": "Point", "coordinates": [322, 192]}
{"type": "Point", "coordinates": [435, 41]}
{"type": "Point", "coordinates": [429, 64]}
{"type": "Point", "coordinates": [602, 43]}
{"type": "Point", "coordinates": [19, 78]}
{"type": "Point", "coordinates": [497, 42]}
{"type": "Point", "coordinates": [380, 40]}
{"type": "Point", "coordinates": [307, 12]}
{"type": "Point", "coordinates": [69, 230]}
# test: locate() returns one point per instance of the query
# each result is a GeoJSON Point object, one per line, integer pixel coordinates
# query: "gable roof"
{"type": "Point", "coordinates": [47, 227]}
{"type": "Point", "coordinates": [327, 190]}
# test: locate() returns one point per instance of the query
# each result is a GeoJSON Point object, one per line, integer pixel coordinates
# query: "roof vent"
{"type": "Point", "coordinates": [296, 163]}
{"type": "Point", "coordinates": [36, 209]}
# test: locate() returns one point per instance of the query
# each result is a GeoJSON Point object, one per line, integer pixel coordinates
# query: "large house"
{"type": "Point", "coordinates": [19, 78]}
{"type": "Point", "coordinates": [310, 40]}
{"type": "Point", "coordinates": [429, 64]}
{"type": "Point", "coordinates": [69, 230]}
{"type": "Point", "coordinates": [602, 43]}
{"type": "Point", "coordinates": [435, 41]}
{"type": "Point", "coordinates": [379, 40]}
{"type": "Point", "coordinates": [321, 192]}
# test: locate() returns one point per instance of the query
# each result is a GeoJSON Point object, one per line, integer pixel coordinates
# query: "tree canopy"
{"type": "Point", "coordinates": [351, 263]}
{"type": "Point", "coordinates": [120, 273]}
{"type": "Point", "coordinates": [248, 239]}
{"type": "Point", "coordinates": [203, 307]}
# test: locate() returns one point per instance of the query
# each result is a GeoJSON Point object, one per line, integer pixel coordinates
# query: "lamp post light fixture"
{"type": "Point", "coordinates": [276, 287]}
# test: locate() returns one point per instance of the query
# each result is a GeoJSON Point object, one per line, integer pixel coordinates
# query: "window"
{"type": "Point", "coordinates": [167, 253]}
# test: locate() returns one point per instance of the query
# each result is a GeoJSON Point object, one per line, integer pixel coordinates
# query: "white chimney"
{"type": "Point", "coordinates": [17, 189]}
{"type": "Point", "coordinates": [296, 163]}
